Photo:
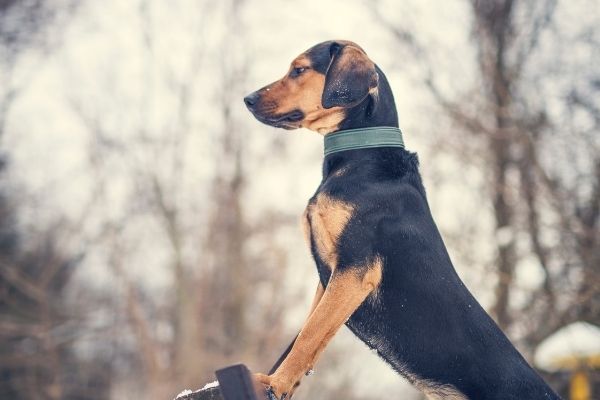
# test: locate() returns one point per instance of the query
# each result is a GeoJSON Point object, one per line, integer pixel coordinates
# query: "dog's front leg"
{"type": "Point", "coordinates": [345, 292]}
{"type": "Point", "coordinates": [316, 300]}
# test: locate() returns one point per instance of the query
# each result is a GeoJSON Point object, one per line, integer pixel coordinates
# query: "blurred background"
{"type": "Point", "coordinates": [149, 226]}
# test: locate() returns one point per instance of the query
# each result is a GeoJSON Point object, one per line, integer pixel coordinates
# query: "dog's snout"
{"type": "Point", "coordinates": [251, 100]}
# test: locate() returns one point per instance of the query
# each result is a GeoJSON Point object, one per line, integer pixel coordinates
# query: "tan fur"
{"type": "Point", "coordinates": [344, 293]}
{"type": "Point", "coordinates": [316, 299]}
{"type": "Point", "coordinates": [306, 227]}
{"type": "Point", "coordinates": [439, 392]}
{"type": "Point", "coordinates": [433, 390]}
{"type": "Point", "coordinates": [328, 218]}
{"type": "Point", "coordinates": [304, 93]}
{"type": "Point", "coordinates": [324, 121]}
{"type": "Point", "coordinates": [315, 302]}
{"type": "Point", "coordinates": [354, 56]}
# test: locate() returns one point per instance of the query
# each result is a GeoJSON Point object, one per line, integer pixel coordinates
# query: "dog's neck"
{"type": "Point", "coordinates": [377, 109]}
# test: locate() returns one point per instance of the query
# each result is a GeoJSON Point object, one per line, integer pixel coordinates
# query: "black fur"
{"type": "Point", "coordinates": [422, 320]}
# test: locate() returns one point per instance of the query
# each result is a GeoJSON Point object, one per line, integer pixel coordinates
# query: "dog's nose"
{"type": "Point", "coordinates": [251, 100]}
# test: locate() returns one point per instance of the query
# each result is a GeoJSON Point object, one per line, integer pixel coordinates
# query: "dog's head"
{"type": "Point", "coordinates": [320, 85]}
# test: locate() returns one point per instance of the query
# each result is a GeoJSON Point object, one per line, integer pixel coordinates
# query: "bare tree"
{"type": "Point", "coordinates": [528, 120]}
{"type": "Point", "coordinates": [210, 309]}
{"type": "Point", "coordinates": [24, 26]}
{"type": "Point", "coordinates": [542, 165]}
{"type": "Point", "coordinates": [38, 325]}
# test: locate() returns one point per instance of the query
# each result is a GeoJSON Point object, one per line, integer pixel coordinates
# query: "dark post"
{"type": "Point", "coordinates": [235, 383]}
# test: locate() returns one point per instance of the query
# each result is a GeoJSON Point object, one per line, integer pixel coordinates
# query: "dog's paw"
{"type": "Point", "coordinates": [277, 388]}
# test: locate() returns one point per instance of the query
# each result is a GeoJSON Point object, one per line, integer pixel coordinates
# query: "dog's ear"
{"type": "Point", "coordinates": [349, 78]}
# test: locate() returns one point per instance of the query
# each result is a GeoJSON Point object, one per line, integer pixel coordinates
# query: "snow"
{"type": "Point", "coordinates": [579, 339]}
{"type": "Point", "coordinates": [210, 385]}
{"type": "Point", "coordinates": [184, 393]}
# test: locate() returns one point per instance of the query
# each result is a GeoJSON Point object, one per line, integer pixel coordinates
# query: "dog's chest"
{"type": "Point", "coordinates": [324, 221]}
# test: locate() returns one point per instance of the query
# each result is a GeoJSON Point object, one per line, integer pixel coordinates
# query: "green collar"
{"type": "Point", "coordinates": [363, 138]}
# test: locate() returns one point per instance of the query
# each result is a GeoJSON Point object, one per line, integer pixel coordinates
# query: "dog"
{"type": "Point", "coordinates": [383, 267]}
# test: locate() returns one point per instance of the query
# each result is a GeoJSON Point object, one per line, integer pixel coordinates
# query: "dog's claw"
{"type": "Point", "coordinates": [272, 396]}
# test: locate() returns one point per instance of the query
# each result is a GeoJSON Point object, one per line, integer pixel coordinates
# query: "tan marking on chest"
{"type": "Point", "coordinates": [328, 219]}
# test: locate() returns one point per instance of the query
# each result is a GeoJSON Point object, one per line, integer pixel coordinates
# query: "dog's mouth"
{"type": "Point", "coordinates": [288, 120]}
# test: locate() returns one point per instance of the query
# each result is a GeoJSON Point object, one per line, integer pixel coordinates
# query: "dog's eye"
{"type": "Point", "coordinates": [297, 71]}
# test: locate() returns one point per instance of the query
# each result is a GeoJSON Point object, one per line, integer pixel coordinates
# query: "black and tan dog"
{"type": "Point", "coordinates": [383, 267]}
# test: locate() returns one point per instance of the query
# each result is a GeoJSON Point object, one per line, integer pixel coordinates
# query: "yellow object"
{"type": "Point", "coordinates": [580, 386]}
{"type": "Point", "coordinates": [574, 361]}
